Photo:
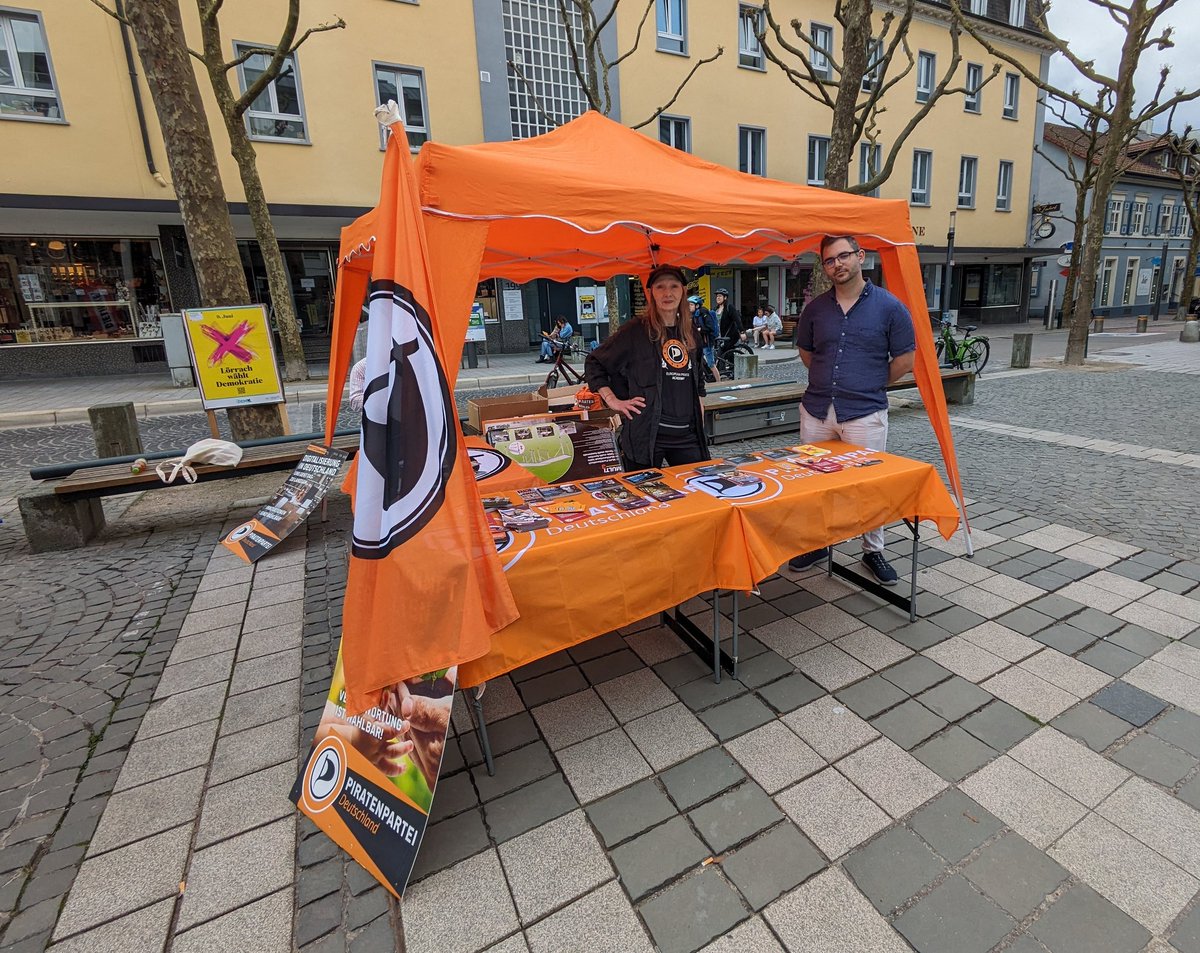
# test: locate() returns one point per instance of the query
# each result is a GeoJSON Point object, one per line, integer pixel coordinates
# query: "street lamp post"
{"type": "Point", "coordinates": [946, 272]}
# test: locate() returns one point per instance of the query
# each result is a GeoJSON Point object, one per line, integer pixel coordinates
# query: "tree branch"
{"type": "Point", "coordinates": [111, 13]}
{"type": "Point", "coordinates": [637, 39]}
{"type": "Point", "coordinates": [679, 89]}
{"type": "Point", "coordinates": [576, 65]}
{"type": "Point", "coordinates": [537, 100]}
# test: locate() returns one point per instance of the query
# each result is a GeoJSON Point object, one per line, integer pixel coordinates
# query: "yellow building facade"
{"type": "Point", "coordinates": [92, 247]}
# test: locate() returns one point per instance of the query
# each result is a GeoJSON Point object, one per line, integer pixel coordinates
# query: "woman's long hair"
{"type": "Point", "coordinates": [656, 327]}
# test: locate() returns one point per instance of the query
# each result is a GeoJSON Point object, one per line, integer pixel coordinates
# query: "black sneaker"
{"type": "Point", "coordinates": [880, 568]}
{"type": "Point", "coordinates": [808, 560]}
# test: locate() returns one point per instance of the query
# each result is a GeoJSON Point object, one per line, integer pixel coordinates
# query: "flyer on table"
{"type": "Point", "coordinates": [233, 356]}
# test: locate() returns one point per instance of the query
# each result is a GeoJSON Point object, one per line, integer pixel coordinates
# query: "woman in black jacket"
{"type": "Point", "coordinates": [652, 373]}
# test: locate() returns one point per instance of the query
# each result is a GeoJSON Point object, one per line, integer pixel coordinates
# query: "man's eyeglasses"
{"type": "Point", "coordinates": [841, 259]}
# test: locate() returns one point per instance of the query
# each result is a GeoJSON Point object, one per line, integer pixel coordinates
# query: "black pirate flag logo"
{"type": "Point", "coordinates": [408, 440]}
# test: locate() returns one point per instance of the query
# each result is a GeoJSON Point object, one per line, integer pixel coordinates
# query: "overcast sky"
{"type": "Point", "coordinates": [1093, 35]}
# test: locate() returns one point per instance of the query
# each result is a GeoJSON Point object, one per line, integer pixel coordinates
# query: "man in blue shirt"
{"type": "Point", "coordinates": [855, 339]}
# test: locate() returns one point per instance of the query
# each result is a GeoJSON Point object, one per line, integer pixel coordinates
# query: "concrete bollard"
{"type": "Point", "coordinates": [1022, 350]}
{"type": "Point", "coordinates": [1097, 325]}
{"type": "Point", "coordinates": [115, 430]}
{"type": "Point", "coordinates": [745, 365]}
{"type": "Point", "coordinates": [53, 523]}
{"type": "Point", "coordinates": [1190, 333]}
{"type": "Point", "coordinates": [1142, 323]}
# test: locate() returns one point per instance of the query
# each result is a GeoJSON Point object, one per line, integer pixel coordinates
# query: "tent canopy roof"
{"type": "Point", "coordinates": [595, 198]}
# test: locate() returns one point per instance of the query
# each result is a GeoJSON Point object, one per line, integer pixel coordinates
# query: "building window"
{"type": "Point", "coordinates": [1108, 275]}
{"type": "Point", "coordinates": [1137, 215]}
{"type": "Point", "coordinates": [1128, 292]}
{"type": "Point", "coordinates": [973, 99]}
{"type": "Point", "coordinates": [926, 75]}
{"type": "Point", "coordinates": [979, 8]}
{"type": "Point", "coordinates": [1165, 211]}
{"type": "Point", "coordinates": [672, 25]}
{"type": "Point", "coordinates": [750, 24]}
{"type": "Point", "coordinates": [1004, 187]}
{"type": "Point", "coordinates": [822, 49]}
{"type": "Point", "coordinates": [869, 160]}
{"type": "Point", "coordinates": [874, 66]}
{"type": "Point", "coordinates": [922, 168]}
{"type": "Point", "coordinates": [1112, 222]}
{"type": "Point", "coordinates": [535, 41]}
{"type": "Point", "coordinates": [818, 158]}
{"type": "Point", "coordinates": [752, 150]}
{"type": "Point", "coordinates": [967, 168]}
{"type": "Point", "coordinates": [1012, 93]}
{"type": "Point", "coordinates": [406, 86]}
{"type": "Point", "coordinates": [277, 113]}
{"type": "Point", "coordinates": [63, 288]}
{"type": "Point", "coordinates": [675, 132]}
{"type": "Point", "coordinates": [27, 89]}
{"type": "Point", "coordinates": [1016, 12]}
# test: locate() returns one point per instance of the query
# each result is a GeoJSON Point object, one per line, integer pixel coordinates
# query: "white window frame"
{"type": "Point", "coordinates": [979, 8]}
{"type": "Point", "coordinates": [820, 55]}
{"type": "Point", "coordinates": [747, 136]}
{"type": "Point", "coordinates": [1129, 291]}
{"type": "Point", "coordinates": [1012, 95]}
{"type": "Point", "coordinates": [1016, 13]}
{"type": "Point", "coordinates": [1137, 215]}
{"type": "Point", "coordinates": [676, 123]}
{"type": "Point", "coordinates": [926, 75]}
{"type": "Point", "coordinates": [7, 15]}
{"type": "Point", "coordinates": [1108, 278]}
{"type": "Point", "coordinates": [748, 46]}
{"type": "Point", "coordinates": [818, 159]}
{"type": "Point", "coordinates": [1112, 220]}
{"type": "Point", "coordinates": [874, 71]}
{"type": "Point", "coordinates": [671, 37]}
{"type": "Point", "coordinates": [973, 97]}
{"type": "Point", "coordinates": [870, 158]}
{"type": "Point", "coordinates": [239, 47]}
{"type": "Point", "coordinates": [1004, 186]}
{"type": "Point", "coordinates": [922, 177]}
{"type": "Point", "coordinates": [968, 174]}
{"type": "Point", "coordinates": [1166, 210]}
{"type": "Point", "coordinates": [422, 130]}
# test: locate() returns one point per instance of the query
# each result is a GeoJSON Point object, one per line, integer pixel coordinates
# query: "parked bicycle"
{"type": "Point", "coordinates": [966, 352]}
{"type": "Point", "coordinates": [563, 369]}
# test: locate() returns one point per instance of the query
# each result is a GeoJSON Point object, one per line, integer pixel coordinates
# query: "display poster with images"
{"type": "Point", "coordinates": [233, 356]}
{"type": "Point", "coordinates": [475, 327]}
{"type": "Point", "coordinates": [304, 488]}
{"type": "Point", "coordinates": [369, 780]}
{"type": "Point", "coordinates": [557, 446]}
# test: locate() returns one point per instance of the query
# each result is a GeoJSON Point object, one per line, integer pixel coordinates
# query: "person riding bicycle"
{"type": "Point", "coordinates": [706, 327]}
{"type": "Point", "coordinates": [555, 340]}
{"type": "Point", "coordinates": [728, 317]}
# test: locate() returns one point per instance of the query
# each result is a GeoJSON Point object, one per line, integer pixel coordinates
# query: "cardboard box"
{"type": "Point", "coordinates": [559, 398]}
{"type": "Point", "coordinates": [482, 409]}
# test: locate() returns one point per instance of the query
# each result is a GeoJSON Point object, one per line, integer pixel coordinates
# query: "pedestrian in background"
{"type": "Point", "coordinates": [772, 325]}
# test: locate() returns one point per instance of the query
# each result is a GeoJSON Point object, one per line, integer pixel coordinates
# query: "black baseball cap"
{"type": "Point", "coordinates": [664, 271]}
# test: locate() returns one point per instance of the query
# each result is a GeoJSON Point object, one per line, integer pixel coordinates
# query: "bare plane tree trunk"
{"type": "Point", "coordinates": [158, 30]}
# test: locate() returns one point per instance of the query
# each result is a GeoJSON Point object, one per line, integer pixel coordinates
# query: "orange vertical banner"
{"type": "Point", "coordinates": [426, 590]}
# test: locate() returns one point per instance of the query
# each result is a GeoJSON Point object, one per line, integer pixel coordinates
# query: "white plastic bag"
{"type": "Point", "coordinates": [220, 453]}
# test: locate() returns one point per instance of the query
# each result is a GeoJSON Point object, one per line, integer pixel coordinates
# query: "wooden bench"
{"type": "Point", "coordinates": [958, 385]}
{"type": "Point", "coordinates": [65, 512]}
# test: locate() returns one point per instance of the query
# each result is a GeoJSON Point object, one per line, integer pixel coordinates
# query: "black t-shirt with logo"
{"type": "Point", "coordinates": [678, 389]}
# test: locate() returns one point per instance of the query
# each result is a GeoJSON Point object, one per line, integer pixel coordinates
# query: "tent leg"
{"type": "Point", "coordinates": [965, 527]}
{"type": "Point", "coordinates": [716, 636]}
{"type": "Point", "coordinates": [476, 697]}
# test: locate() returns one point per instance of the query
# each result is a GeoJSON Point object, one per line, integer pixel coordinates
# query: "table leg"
{"type": "Point", "coordinates": [915, 526]}
{"type": "Point", "coordinates": [734, 642]}
{"type": "Point", "coordinates": [475, 695]}
{"type": "Point", "coordinates": [716, 617]}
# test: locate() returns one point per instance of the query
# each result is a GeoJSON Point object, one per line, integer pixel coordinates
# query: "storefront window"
{"type": "Point", "coordinates": [796, 284]}
{"type": "Point", "coordinates": [1004, 285]}
{"type": "Point", "coordinates": [62, 289]}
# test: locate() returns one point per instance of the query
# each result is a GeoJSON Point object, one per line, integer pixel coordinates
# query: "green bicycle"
{"type": "Point", "coordinates": [968, 352]}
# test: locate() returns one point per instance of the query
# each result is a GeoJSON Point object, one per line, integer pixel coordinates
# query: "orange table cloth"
{"type": "Point", "coordinates": [578, 581]}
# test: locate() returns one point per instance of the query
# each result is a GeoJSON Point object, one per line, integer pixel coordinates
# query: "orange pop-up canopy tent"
{"type": "Point", "coordinates": [595, 199]}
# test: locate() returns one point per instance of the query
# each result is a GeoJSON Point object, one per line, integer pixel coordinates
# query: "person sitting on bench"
{"type": "Point", "coordinates": [555, 340]}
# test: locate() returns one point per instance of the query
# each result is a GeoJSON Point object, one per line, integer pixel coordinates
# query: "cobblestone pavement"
{"type": "Point", "coordinates": [1018, 770]}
